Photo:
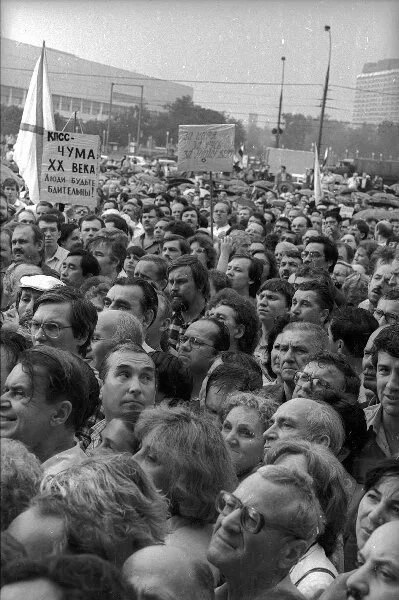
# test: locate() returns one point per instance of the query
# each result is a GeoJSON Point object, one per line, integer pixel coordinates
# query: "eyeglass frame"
{"type": "Point", "coordinates": [384, 314]}
{"type": "Point", "coordinates": [42, 326]}
{"type": "Point", "coordinates": [189, 339]}
{"type": "Point", "coordinates": [310, 379]}
{"type": "Point", "coordinates": [311, 255]}
{"type": "Point", "coordinates": [244, 509]}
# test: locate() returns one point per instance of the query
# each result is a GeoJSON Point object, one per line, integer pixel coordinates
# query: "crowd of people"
{"type": "Point", "coordinates": [195, 409]}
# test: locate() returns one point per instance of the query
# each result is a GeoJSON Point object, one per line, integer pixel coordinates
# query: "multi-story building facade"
{"type": "Point", "coordinates": [377, 93]}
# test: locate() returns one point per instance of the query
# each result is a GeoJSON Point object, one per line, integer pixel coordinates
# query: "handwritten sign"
{"type": "Point", "coordinates": [70, 168]}
{"type": "Point", "coordinates": [206, 147]}
{"type": "Point", "coordinates": [346, 212]}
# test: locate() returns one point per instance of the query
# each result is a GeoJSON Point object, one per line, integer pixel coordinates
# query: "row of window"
{"type": "Point", "coordinates": [11, 96]}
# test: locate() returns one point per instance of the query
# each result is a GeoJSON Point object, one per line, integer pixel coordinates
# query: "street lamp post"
{"type": "Point", "coordinates": [140, 110]}
{"type": "Point", "coordinates": [325, 91]}
{"type": "Point", "coordinates": [278, 130]}
{"type": "Point", "coordinates": [167, 141]}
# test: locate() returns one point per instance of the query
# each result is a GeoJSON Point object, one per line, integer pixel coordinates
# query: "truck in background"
{"type": "Point", "coordinates": [387, 169]}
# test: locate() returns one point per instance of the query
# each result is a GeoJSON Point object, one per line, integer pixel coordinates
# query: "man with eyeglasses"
{"type": "Point", "coordinates": [263, 529]}
{"type": "Point", "coordinates": [321, 252]}
{"type": "Point", "coordinates": [63, 318]}
{"type": "Point", "coordinates": [200, 345]}
{"type": "Point", "coordinates": [387, 311]}
{"type": "Point", "coordinates": [220, 219]}
{"type": "Point", "coordinates": [326, 371]}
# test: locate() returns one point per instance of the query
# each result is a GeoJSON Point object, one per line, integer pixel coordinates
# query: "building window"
{"type": "Point", "coordinates": [95, 108]}
{"type": "Point", "coordinates": [86, 107]}
{"type": "Point", "coordinates": [76, 104]}
{"type": "Point", "coordinates": [18, 95]}
{"type": "Point", "coordinates": [5, 94]}
{"type": "Point", "coordinates": [65, 103]}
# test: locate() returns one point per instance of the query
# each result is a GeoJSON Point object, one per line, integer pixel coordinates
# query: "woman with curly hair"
{"type": "Point", "coordinates": [106, 506]}
{"type": "Point", "coordinates": [186, 457]}
{"type": "Point", "coordinates": [202, 247]}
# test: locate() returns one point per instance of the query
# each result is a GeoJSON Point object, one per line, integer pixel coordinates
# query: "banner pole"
{"type": "Point", "coordinates": [211, 191]}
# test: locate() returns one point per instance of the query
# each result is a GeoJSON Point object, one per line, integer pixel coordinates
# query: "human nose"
{"type": "Point", "coordinates": [357, 583]}
{"type": "Point", "coordinates": [270, 434]}
{"type": "Point", "coordinates": [4, 401]}
{"type": "Point", "coordinates": [231, 438]}
{"type": "Point", "coordinates": [39, 333]}
{"type": "Point", "coordinates": [134, 385]}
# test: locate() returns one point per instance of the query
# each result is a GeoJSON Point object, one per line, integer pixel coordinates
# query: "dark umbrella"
{"type": "Point", "coordinates": [264, 185]}
{"type": "Point", "coordinates": [380, 214]}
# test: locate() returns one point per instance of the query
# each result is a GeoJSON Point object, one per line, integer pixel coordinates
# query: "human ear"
{"type": "Point", "coordinates": [291, 553]}
{"type": "Point", "coordinates": [61, 413]}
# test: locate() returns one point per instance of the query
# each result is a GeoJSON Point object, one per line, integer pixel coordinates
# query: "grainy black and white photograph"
{"type": "Point", "coordinates": [199, 287]}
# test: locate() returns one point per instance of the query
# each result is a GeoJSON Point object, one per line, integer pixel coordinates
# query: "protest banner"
{"type": "Point", "coordinates": [346, 212]}
{"type": "Point", "coordinates": [70, 168]}
{"type": "Point", "coordinates": [206, 148]}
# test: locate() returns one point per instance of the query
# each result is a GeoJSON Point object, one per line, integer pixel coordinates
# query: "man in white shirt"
{"type": "Point", "coordinates": [220, 219]}
{"type": "Point", "coordinates": [45, 402]}
{"type": "Point", "coordinates": [55, 255]}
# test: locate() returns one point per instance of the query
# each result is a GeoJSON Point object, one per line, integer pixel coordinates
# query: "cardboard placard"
{"type": "Point", "coordinates": [346, 212]}
{"type": "Point", "coordinates": [70, 168]}
{"type": "Point", "coordinates": [206, 148]}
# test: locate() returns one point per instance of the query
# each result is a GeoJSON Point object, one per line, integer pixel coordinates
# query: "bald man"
{"type": "Point", "coordinates": [170, 573]}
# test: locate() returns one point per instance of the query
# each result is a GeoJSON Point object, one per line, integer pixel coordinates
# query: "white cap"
{"type": "Point", "coordinates": [42, 283]}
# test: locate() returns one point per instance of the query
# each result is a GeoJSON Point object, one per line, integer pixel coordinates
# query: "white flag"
{"type": "Point", "coordinates": [37, 116]}
{"type": "Point", "coordinates": [318, 193]}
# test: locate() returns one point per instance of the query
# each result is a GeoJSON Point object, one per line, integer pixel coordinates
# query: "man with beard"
{"type": "Point", "coordinates": [381, 279]}
{"type": "Point", "coordinates": [188, 286]}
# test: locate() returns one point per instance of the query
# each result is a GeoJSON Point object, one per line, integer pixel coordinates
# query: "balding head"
{"type": "Point", "coordinates": [114, 327]}
{"type": "Point", "coordinates": [170, 573]}
{"type": "Point", "coordinates": [309, 420]}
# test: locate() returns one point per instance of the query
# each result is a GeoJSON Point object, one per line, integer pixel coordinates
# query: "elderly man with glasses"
{"type": "Point", "coordinates": [262, 531]}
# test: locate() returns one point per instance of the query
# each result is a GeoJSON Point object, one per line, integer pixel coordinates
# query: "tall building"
{"type": "Point", "coordinates": [81, 85]}
{"type": "Point", "coordinates": [377, 93]}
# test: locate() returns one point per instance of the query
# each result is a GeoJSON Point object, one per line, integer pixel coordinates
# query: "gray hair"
{"type": "Point", "coordinates": [323, 420]}
{"type": "Point", "coordinates": [320, 335]}
{"type": "Point", "coordinates": [265, 407]}
{"type": "Point", "coordinates": [21, 473]}
{"type": "Point", "coordinates": [305, 517]}
{"type": "Point", "coordinates": [128, 329]}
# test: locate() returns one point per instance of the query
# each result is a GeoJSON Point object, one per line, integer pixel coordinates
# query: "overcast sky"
{"type": "Point", "coordinates": [222, 41]}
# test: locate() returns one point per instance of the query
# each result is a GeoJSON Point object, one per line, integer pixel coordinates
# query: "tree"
{"type": "Point", "coordinates": [10, 119]}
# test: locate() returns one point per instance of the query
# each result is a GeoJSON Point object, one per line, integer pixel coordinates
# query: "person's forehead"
{"type": "Point", "coordinates": [172, 244]}
{"type": "Point", "coordinates": [146, 266]}
{"type": "Point", "coordinates": [94, 223]}
{"type": "Point", "coordinates": [181, 272]}
{"type": "Point", "coordinates": [259, 493]}
{"type": "Point", "coordinates": [315, 247]}
{"type": "Point", "coordinates": [18, 376]}
{"type": "Point", "coordinates": [23, 231]}
{"type": "Point", "coordinates": [101, 246]}
{"type": "Point", "coordinates": [240, 262]}
{"type": "Point", "coordinates": [296, 409]}
{"type": "Point", "coordinates": [386, 358]}
{"type": "Point", "coordinates": [243, 415]}
{"type": "Point", "coordinates": [388, 305]}
{"type": "Point", "coordinates": [135, 360]}
{"type": "Point", "coordinates": [254, 225]}
{"type": "Point", "coordinates": [223, 309]}
{"type": "Point", "coordinates": [38, 588]}
{"type": "Point", "coordinates": [383, 544]}
{"type": "Point", "coordinates": [383, 269]}
{"type": "Point", "coordinates": [192, 213]}
{"type": "Point", "coordinates": [220, 206]}
{"type": "Point", "coordinates": [300, 220]}
{"type": "Point", "coordinates": [203, 329]}
{"type": "Point", "coordinates": [54, 311]}
{"type": "Point", "coordinates": [74, 260]}
{"type": "Point", "coordinates": [127, 292]}
{"type": "Point", "coordinates": [298, 338]}
{"type": "Point", "coordinates": [316, 368]}
{"type": "Point", "coordinates": [309, 295]}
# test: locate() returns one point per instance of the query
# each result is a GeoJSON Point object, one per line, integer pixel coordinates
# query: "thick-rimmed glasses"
{"type": "Point", "coordinates": [315, 382]}
{"type": "Point", "coordinates": [51, 330]}
{"type": "Point", "coordinates": [194, 342]}
{"type": "Point", "coordinates": [390, 318]}
{"type": "Point", "coordinates": [251, 519]}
